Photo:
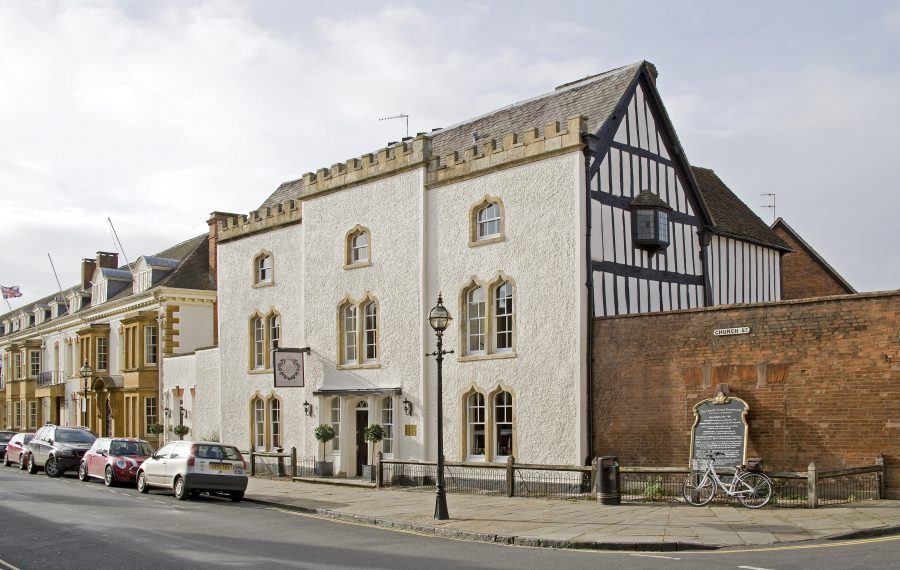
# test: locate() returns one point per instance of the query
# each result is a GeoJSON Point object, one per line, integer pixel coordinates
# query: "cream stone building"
{"type": "Point", "coordinates": [121, 321]}
{"type": "Point", "coordinates": [530, 221]}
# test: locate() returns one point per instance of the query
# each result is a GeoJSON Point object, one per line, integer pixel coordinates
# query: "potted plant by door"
{"type": "Point", "coordinates": [324, 433]}
{"type": "Point", "coordinates": [181, 430]}
{"type": "Point", "coordinates": [372, 435]}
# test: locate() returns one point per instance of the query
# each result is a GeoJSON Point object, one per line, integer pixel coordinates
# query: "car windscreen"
{"type": "Point", "coordinates": [5, 436]}
{"type": "Point", "coordinates": [218, 452]}
{"type": "Point", "coordinates": [27, 438]}
{"type": "Point", "coordinates": [136, 448]}
{"type": "Point", "coordinates": [74, 436]}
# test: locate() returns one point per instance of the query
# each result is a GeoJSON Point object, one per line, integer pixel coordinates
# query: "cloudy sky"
{"type": "Point", "coordinates": [156, 113]}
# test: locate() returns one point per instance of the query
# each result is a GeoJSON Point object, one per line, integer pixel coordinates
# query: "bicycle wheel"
{"type": "Point", "coordinates": [698, 489]}
{"type": "Point", "coordinates": [754, 490]}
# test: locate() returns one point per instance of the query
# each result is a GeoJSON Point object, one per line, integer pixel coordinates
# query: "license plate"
{"type": "Point", "coordinates": [220, 466]}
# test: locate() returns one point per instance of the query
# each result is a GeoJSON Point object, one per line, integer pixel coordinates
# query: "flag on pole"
{"type": "Point", "coordinates": [10, 292]}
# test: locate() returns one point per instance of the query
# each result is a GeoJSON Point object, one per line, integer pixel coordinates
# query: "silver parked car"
{"type": "Point", "coordinates": [190, 468]}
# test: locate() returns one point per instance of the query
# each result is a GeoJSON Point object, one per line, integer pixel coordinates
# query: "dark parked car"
{"type": "Point", "coordinates": [5, 436]}
{"type": "Point", "coordinates": [114, 459]}
{"type": "Point", "coordinates": [16, 449]}
{"type": "Point", "coordinates": [58, 449]}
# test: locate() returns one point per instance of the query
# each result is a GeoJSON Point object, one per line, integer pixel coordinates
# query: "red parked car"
{"type": "Point", "coordinates": [114, 459]}
{"type": "Point", "coordinates": [17, 449]}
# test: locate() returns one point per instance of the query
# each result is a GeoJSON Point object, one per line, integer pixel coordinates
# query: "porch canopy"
{"type": "Point", "coordinates": [345, 385]}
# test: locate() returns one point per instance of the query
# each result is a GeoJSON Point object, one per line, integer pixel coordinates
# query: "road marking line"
{"type": "Point", "coordinates": [668, 558]}
{"type": "Point", "coordinates": [801, 546]}
{"type": "Point", "coordinates": [8, 565]}
{"type": "Point", "coordinates": [753, 568]}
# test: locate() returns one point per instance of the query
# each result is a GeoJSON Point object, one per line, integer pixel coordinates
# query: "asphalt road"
{"type": "Point", "coordinates": [63, 523]}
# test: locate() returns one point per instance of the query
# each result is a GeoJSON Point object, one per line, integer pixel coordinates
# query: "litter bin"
{"type": "Point", "coordinates": [608, 491]}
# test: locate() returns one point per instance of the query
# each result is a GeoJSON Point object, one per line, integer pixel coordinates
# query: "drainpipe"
{"type": "Point", "coordinates": [589, 283]}
{"type": "Point", "coordinates": [160, 319]}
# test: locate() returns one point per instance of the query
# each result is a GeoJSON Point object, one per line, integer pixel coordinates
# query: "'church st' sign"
{"type": "Point", "coordinates": [729, 332]}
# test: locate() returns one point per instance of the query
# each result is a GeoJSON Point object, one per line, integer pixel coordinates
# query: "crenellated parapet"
{"type": "Point", "coordinates": [264, 219]}
{"type": "Point", "coordinates": [513, 149]}
{"type": "Point", "coordinates": [487, 156]}
{"type": "Point", "coordinates": [386, 161]}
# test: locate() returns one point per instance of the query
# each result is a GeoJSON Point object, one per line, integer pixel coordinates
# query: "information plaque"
{"type": "Point", "coordinates": [720, 425]}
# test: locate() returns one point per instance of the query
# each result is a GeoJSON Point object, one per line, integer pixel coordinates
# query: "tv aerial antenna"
{"type": "Point", "coordinates": [771, 204]}
{"type": "Point", "coordinates": [403, 116]}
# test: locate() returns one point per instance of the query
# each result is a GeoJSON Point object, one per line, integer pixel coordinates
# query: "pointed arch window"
{"type": "Point", "coordinates": [488, 323]}
{"type": "Point", "coordinates": [475, 426]}
{"type": "Point", "coordinates": [486, 223]}
{"type": "Point", "coordinates": [358, 332]}
{"type": "Point", "coordinates": [503, 425]}
{"type": "Point", "coordinates": [263, 269]}
{"type": "Point", "coordinates": [259, 423]}
{"type": "Point", "coordinates": [275, 422]}
{"type": "Point", "coordinates": [357, 248]}
{"type": "Point", "coordinates": [265, 336]}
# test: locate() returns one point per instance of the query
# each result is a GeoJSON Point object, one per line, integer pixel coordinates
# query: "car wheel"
{"type": "Point", "coordinates": [109, 477]}
{"type": "Point", "coordinates": [181, 491]}
{"type": "Point", "coordinates": [236, 496]}
{"type": "Point", "coordinates": [83, 472]}
{"type": "Point", "coordinates": [6, 462]}
{"type": "Point", "coordinates": [142, 483]}
{"type": "Point", "coordinates": [22, 464]}
{"type": "Point", "coordinates": [32, 468]}
{"type": "Point", "coordinates": [51, 468]}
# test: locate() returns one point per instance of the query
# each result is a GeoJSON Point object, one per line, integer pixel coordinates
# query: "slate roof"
{"type": "Point", "coordinates": [814, 254]}
{"type": "Point", "coordinates": [594, 97]}
{"type": "Point", "coordinates": [191, 272]}
{"type": "Point", "coordinates": [733, 217]}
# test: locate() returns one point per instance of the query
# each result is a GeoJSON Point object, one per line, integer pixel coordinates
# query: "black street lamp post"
{"type": "Point", "coordinates": [86, 373]}
{"type": "Point", "coordinates": [439, 318]}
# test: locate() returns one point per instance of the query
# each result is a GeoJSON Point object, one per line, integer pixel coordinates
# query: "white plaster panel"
{"type": "Point", "coordinates": [195, 328]}
{"type": "Point", "coordinates": [238, 300]}
{"type": "Point", "coordinates": [541, 254]}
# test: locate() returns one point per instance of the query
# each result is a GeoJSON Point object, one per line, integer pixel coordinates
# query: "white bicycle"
{"type": "Point", "coordinates": [752, 488]}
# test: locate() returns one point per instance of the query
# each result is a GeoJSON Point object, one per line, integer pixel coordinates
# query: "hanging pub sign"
{"type": "Point", "coordinates": [287, 365]}
{"type": "Point", "coordinates": [720, 425]}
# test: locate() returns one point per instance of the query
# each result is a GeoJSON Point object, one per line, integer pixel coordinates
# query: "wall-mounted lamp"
{"type": "Point", "coordinates": [307, 408]}
{"type": "Point", "coordinates": [407, 406]}
{"type": "Point", "coordinates": [167, 412]}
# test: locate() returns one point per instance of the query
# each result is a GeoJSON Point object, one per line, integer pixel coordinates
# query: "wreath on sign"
{"type": "Point", "coordinates": [293, 368]}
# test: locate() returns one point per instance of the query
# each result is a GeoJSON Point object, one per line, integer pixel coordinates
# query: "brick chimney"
{"type": "Point", "coordinates": [213, 223]}
{"type": "Point", "coordinates": [107, 260]}
{"type": "Point", "coordinates": [87, 272]}
{"type": "Point", "coordinates": [212, 241]}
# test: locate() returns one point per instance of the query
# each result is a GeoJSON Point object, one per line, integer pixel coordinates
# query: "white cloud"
{"type": "Point", "coordinates": [157, 114]}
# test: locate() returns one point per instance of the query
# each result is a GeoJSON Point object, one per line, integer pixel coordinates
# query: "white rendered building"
{"type": "Point", "coordinates": [529, 220]}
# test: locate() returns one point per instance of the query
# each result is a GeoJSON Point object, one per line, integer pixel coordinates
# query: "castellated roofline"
{"type": "Point", "coordinates": [486, 156]}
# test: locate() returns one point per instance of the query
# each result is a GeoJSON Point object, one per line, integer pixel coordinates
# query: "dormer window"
{"type": "Point", "coordinates": [650, 221]}
{"type": "Point", "coordinates": [144, 280]}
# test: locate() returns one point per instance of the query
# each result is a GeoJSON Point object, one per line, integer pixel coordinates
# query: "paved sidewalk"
{"type": "Point", "coordinates": [578, 524]}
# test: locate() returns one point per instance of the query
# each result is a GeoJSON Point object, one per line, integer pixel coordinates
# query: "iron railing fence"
{"type": "Point", "coordinates": [636, 484]}
{"type": "Point", "coordinates": [552, 481]}
{"type": "Point", "coordinates": [45, 379]}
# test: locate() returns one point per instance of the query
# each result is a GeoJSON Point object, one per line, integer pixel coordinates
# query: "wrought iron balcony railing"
{"type": "Point", "coordinates": [45, 379]}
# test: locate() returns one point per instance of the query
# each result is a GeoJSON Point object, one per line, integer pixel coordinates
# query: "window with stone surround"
{"type": "Point", "coordinates": [263, 269]}
{"type": "Point", "coordinates": [358, 338]}
{"type": "Point", "coordinates": [357, 247]}
{"type": "Point", "coordinates": [486, 223]}
{"type": "Point", "coordinates": [487, 326]}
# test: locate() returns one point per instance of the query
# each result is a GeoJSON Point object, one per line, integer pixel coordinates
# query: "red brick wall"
{"type": "Point", "coordinates": [802, 275]}
{"type": "Point", "coordinates": [822, 378]}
